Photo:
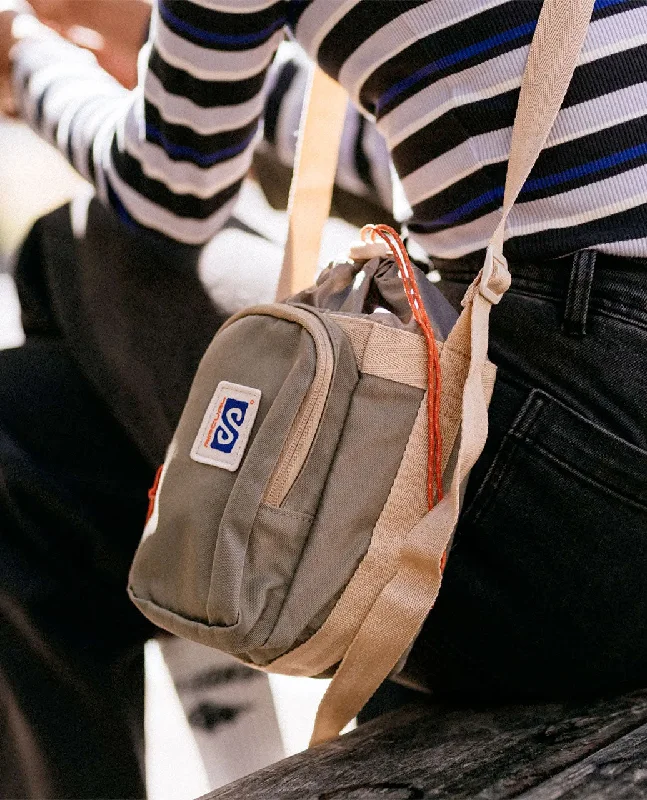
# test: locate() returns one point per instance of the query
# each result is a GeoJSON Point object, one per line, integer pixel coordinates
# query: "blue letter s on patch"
{"type": "Point", "coordinates": [227, 432]}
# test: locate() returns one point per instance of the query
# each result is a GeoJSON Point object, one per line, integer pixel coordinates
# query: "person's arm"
{"type": "Point", "coordinates": [170, 155]}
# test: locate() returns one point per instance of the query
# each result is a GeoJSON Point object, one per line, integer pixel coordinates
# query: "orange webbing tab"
{"type": "Point", "coordinates": [152, 492]}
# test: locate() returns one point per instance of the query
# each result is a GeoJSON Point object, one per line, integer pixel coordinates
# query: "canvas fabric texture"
{"type": "Point", "coordinates": [323, 481]}
{"type": "Point", "coordinates": [320, 553]}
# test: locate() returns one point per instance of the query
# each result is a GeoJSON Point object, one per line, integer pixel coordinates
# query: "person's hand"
{"type": "Point", "coordinates": [114, 30]}
{"type": "Point", "coordinates": [6, 43]}
{"type": "Point", "coordinates": [9, 10]}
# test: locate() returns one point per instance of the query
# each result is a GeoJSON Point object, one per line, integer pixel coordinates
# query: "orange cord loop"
{"type": "Point", "coordinates": [434, 460]}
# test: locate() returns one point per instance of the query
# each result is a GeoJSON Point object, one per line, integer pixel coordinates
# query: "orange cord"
{"type": "Point", "coordinates": [152, 492]}
{"type": "Point", "coordinates": [434, 461]}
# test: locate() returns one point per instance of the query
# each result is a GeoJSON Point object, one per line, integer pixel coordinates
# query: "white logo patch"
{"type": "Point", "coordinates": [225, 429]}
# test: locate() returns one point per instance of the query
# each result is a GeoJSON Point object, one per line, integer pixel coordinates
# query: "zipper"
{"type": "Point", "coordinates": [306, 423]}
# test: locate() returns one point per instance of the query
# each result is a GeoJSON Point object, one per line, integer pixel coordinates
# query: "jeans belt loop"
{"type": "Point", "coordinates": [579, 293]}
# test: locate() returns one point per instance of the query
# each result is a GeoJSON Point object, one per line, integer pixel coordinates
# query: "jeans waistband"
{"type": "Point", "coordinates": [584, 282]}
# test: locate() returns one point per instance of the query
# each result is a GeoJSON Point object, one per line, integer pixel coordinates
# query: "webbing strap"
{"type": "Point", "coordinates": [402, 606]}
{"type": "Point", "coordinates": [322, 123]}
{"type": "Point", "coordinates": [552, 59]}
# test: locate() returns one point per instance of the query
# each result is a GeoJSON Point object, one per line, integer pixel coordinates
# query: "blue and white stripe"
{"type": "Point", "coordinates": [173, 155]}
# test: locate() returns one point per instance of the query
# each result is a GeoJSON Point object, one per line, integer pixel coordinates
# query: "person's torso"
{"type": "Point", "coordinates": [441, 78]}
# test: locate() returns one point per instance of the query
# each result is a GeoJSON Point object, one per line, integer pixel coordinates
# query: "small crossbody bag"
{"type": "Point", "coordinates": [306, 506]}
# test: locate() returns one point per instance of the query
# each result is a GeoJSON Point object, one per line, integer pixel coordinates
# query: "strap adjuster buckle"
{"type": "Point", "coordinates": [495, 277]}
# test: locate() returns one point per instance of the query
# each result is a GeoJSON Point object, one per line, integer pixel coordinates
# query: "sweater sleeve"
{"type": "Point", "coordinates": [170, 155]}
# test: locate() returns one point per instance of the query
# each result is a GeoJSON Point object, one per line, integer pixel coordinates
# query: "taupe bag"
{"type": "Point", "coordinates": [291, 525]}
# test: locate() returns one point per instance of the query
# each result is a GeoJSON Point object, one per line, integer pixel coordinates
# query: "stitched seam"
{"type": "Point", "coordinates": [494, 477]}
{"type": "Point", "coordinates": [525, 419]}
{"type": "Point", "coordinates": [288, 512]}
{"type": "Point", "coordinates": [596, 426]}
{"type": "Point", "coordinates": [631, 321]}
{"type": "Point", "coordinates": [588, 284]}
{"type": "Point", "coordinates": [584, 478]}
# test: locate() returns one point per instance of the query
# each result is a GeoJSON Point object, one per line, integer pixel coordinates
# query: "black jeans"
{"type": "Point", "coordinates": [545, 592]}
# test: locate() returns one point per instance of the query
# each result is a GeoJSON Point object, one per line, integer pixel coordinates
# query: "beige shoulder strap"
{"type": "Point", "coordinates": [402, 606]}
{"type": "Point", "coordinates": [322, 122]}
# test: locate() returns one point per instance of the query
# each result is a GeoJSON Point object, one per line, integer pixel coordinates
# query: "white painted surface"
{"type": "Point", "coordinates": [11, 334]}
{"type": "Point", "coordinates": [174, 768]}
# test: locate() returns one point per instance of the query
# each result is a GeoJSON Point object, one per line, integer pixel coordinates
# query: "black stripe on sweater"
{"type": "Point", "coordinates": [595, 79]}
{"type": "Point", "coordinates": [441, 49]}
{"type": "Point", "coordinates": [357, 25]}
{"type": "Point", "coordinates": [179, 136]}
{"type": "Point", "coordinates": [216, 30]}
{"type": "Point", "coordinates": [182, 205]}
{"type": "Point", "coordinates": [621, 227]}
{"type": "Point", "coordinates": [205, 93]}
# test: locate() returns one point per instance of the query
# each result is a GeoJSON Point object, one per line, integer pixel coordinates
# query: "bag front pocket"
{"type": "Point", "coordinates": [326, 374]}
{"type": "Point", "coordinates": [303, 430]}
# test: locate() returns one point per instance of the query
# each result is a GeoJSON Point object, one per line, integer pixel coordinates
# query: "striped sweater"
{"type": "Point", "coordinates": [439, 78]}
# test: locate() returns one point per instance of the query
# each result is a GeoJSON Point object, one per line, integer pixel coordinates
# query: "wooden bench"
{"type": "Point", "coordinates": [545, 752]}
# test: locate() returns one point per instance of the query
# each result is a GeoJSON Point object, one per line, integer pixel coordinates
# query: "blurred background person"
{"type": "Point", "coordinates": [100, 382]}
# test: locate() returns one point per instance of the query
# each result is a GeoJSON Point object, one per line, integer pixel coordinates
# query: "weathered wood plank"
{"type": "Point", "coordinates": [617, 772]}
{"type": "Point", "coordinates": [436, 752]}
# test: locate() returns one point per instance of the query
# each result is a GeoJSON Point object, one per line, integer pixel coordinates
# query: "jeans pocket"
{"type": "Point", "coordinates": [560, 519]}
{"type": "Point", "coordinates": [576, 456]}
